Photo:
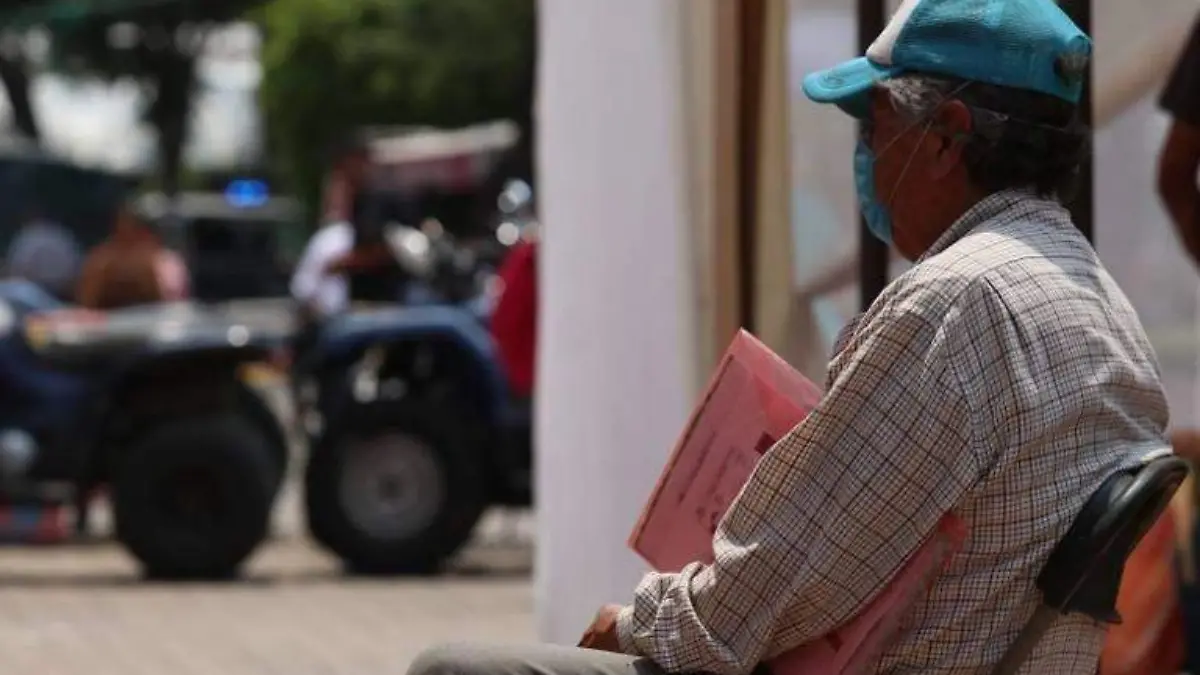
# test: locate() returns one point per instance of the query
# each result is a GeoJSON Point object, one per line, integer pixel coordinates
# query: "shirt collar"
{"type": "Point", "coordinates": [988, 208]}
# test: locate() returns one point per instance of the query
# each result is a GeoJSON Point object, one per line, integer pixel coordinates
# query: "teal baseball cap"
{"type": "Point", "coordinates": [1022, 44]}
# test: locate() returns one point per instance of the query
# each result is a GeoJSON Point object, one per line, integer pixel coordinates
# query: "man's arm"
{"type": "Point", "coordinates": [832, 511]}
{"type": "Point", "coordinates": [1179, 160]}
{"type": "Point", "coordinates": [371, 257]}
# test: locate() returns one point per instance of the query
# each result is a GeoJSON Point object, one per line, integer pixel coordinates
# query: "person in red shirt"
{"type": "Point", "coordinates": [514, 319]}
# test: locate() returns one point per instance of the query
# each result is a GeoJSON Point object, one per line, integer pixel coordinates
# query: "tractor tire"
{"type": "Point", "coordinates": [396, 488]}
{"type": "Point", "coordinates": [192, 498]}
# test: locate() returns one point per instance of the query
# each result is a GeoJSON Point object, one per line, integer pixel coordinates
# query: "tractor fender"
{"type": "Point", "coordinates": [153, 387]}
{"type": "Point", "coordinates": [348, 337]}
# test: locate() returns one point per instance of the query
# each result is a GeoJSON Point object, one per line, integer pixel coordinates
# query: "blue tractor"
{"type": "Point", "coordinates": [148, 403]}
{"type": "Point", "coordinates": [413, 435]}
{"type": "Point", "coordinates": [413, 429]}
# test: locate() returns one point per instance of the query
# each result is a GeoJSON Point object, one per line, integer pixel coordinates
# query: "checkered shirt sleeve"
{"type": "Point", "coordinates": [1002, 380]}
{"type": "Point", "coordinates": [832, 512]}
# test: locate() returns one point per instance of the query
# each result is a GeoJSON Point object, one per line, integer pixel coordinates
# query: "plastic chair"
{"type": "Point", "coordinates": [1084, 571]}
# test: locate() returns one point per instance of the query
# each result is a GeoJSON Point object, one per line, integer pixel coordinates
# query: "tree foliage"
{"type": "Point", "coordinates": [334, 65]}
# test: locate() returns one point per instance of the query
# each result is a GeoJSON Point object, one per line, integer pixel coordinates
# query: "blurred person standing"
{"type": "Point", "coordinates": [47, 254]}
{"type": "Point", "coordinates": [320, 292]}
{"type": "Point", "coordinates": [1179, 159]}
{"type": "Point", "coordinates": [371, 271]}
{"type": "Point", "coordinates": [1178, 168]}
{"type": "Point", "coordinates": [131, 267]}
{"type": "Point", "coordinates": [319, 284]}
{"type": "Point", "coordinates": [346, 260]}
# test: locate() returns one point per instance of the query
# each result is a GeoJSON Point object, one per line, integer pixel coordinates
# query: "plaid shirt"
{"type": "Point", "coordinates": [1003, 378]}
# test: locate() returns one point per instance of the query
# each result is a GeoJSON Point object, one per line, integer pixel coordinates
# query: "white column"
{"type": "Point", "coordinates": [616, 343]}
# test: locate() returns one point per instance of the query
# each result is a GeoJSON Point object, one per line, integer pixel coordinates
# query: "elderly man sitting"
{"type": "Point", "coordinates": [1002, 378]}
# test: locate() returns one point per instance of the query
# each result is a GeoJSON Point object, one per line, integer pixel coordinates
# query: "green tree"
{"type": "Point", "coordinates": [334, 65]}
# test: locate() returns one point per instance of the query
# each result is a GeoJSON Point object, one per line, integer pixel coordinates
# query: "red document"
{"type": "Point", "coordinates": [754, 399]}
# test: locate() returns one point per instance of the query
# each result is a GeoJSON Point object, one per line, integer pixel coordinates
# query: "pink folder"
{"type": "Point", "coordinates": [754, 399]}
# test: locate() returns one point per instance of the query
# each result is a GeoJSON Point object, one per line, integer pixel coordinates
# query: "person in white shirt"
{"type": "Point", "coordinates": [322, 292]}
{"type": "Point", "coordinates": [323, 279]}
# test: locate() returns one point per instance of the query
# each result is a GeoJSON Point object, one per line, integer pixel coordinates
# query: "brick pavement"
{"type": "Point", "coordinates": [81, 609]}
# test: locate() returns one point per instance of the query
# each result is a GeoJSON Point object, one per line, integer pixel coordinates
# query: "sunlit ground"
{"type": "Point", "coordinates": [82, 609]}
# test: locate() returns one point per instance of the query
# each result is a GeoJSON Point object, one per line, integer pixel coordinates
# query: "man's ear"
{"type": "Point", "coordinates": [951, 126]}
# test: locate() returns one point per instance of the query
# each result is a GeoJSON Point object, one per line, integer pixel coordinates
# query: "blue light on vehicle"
{"type": "Point", "coordinates": [245, 194]}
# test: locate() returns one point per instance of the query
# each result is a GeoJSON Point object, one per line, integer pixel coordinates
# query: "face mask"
{"type": "Point", "coordinates": [878, 220]}
{"type": "Point", "coordinates": [874, 212]}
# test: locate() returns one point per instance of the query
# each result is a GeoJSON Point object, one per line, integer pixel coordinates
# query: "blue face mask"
{"type": "Point", "coordinates": [878, 220]}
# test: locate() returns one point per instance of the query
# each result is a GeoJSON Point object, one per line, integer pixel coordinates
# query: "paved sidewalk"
{"type": "Point", "coordinates": [81, 610]}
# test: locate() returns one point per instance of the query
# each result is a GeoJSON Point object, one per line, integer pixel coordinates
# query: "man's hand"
{"type": "Point", "coordinates": [602, 634]}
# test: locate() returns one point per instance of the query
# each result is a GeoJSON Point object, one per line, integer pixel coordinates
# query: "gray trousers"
{"type": "Point", "coordinates": [475, 659]}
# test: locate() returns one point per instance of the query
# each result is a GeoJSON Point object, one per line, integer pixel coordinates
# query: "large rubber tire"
{"type": "Point", "coordinates": [424, 447]}
{"type": "Point", "coordinates": [192, 497]}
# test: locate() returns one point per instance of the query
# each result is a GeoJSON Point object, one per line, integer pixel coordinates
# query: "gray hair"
{"type": "Point", "coordinates": [1019, 139]}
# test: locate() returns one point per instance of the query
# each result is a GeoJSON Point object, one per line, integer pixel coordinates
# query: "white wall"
{"type": "Point", "coordinates": [615, 381]}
